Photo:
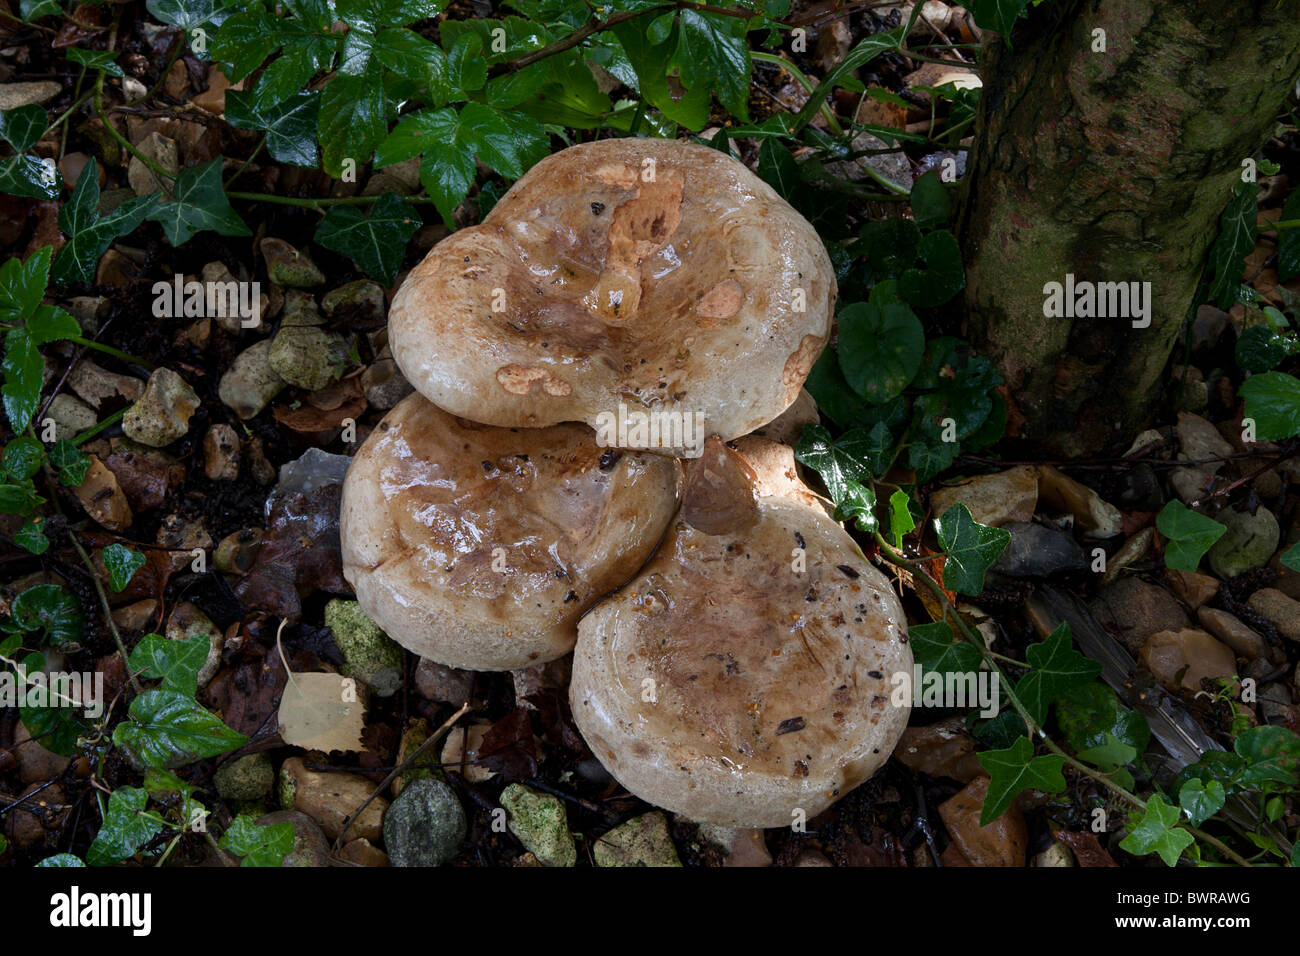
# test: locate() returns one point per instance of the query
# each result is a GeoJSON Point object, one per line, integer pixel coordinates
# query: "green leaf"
{"type": "Point", "coordinates": [836, 463]}
{"type": "Point", "coordinates": [1262, 347]}
{"type": "Point", "coordinates": [1201, 800]}
{"type": "Point", "coordinates": [89, 234]}
{"type": "Point", "coordinates": [866, 51]}
{"type": "Point", "coordinates": [827, 385]}
{"type": "Point", "coordinates": [125, 830]}
{"type": "Point", "coordinates": [927, 459]}
{"type": "Point", "coordinates": [57, 728]}
{"type": "Point", "coordinates": [21, 128]}
{"type": "Point", "coordinates": [858, 504]}
{"type": "Point", "coordinates": [103, 60]}
{"type": "Point", "coordinates": [713, 55]}
{"type": "Point", "coordinates": [19, 498]}
{"type": "Point", "coordinates": [71, 462]}
{"type": "Point", "coordinates": [1000, 15]}
{"type": "Point", "coordinates": [1291, 557]}
{"type": "Point", "coordinates": [198, 203]}
{"type": "Point", "coordinates": [375, 242]}
{"type": "Point", "coordinates": [290, 125]}
{"type": "Point", "coordinates": [1273, 401]}
{"type": "Point", "coordinates": [651, 63]}
{"type": "Point", "coordinates": [62, 859]}
{"type": "Point", "coordinates": [1014, 770]}
{"type": "Point", "coordinates": [52, 611]}
{"type": "Point", "coordinates": [35, 9]}
{"type": "Point", "coordinates": [31, 538]}
{"type": "Point", "coordinates": [1189, 535]}
{"type": "Point", "coordinates": [890, 246]}
{"type": "Point", "coordinates": [1235, 241]}
{"type": "Point", "coordinates": [880, 349]}
{"type": "Point", "coordinates": [175, 663]}
{"type": "Point", "coordinates": [901, 522]}
{"type": "Point", "coordinates": [1093, 721]}
{"type": "Point", "coordinates": [971, 548]}
{"type": "Point", "coordinates": [22, 284]}
{"type": "Point", "coordinates": [1271, 755]}
{"type": "Point", "coordinates": [1056, 668]}
{"type": "Point", "coordinates": [931, 205]}
{"type": "Point", "coordinates": [943, 276]}
{"type": "Point", "coordinates": [22, 457]}
{"type": "Point", "coordinates": [185, 14]}
{"type": "Point", "coordinates": [1157, 832]}
{"type": "Point", "coordinates": [777, 168]}
{"type": "Point", "coordinates": [122, 563]}
{"type": "Point", "coordinates": [258, 845]}
{"type": "Point", "coordinates": [30, 177]}
{"type": "Point", "coordinates": [936, 648]}
{"type": "Point", "coordinates": [168, 728]}
{"type": "Point", "coordinates": [353, 119]}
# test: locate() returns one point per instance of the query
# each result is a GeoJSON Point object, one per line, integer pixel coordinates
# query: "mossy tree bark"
{"type": "Point", "coordinates": [1114, 166]}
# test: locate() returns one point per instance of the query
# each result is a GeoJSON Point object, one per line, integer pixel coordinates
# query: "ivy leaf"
{"type": "Point", "coordinates": [21, 128]}
{"type": "Point", "coordinates": [651, 63]}
{"type": "Point", "coordinates": [927, 459]}
{"type": "Point", "coordinates": [52, 611]}
{"type": "Point", "coordinates": [185, 14]}
{"type": "Point", "coordinates": [175, 663]}
{"type": "Point", "coordinates": [31, 538]}
{"type": "Point", "coordinates": [290, 125]}
{"type": "Point", "coordinates": [1057, 667]}
{"type": "Point", "coordinates": [35, 9]}
{"type": "Point", "coordinates": [353, 119]}
{"type": "Point", "coordinates": [125, 830]}
{"type": "Point", "coordinates": [1189, 535]}
{"type": "Point", "coordinates": [375, 242]}
{"type": "Point", "coordinates": [1157, 832]}
{"type": "Point", "coordinates": [837, 465]}
{"type": "Point", "coordinates": [1291, 557]}
{"type": "Point", "coordinates": [943, 276]}
{"type": "Point", "coordinates": [777, 168]}
{"type": "Point", "coordinates": [858, 504]}
{"type": "Point", "coordinates": [1288, 241]}
{"type": "Point", "coordinates": [1261, 347]}
{"type": "Point", "coordinates": [61, 860]}
{"type": "Point", "coordinates": [70, 461]}
{"type": "Point", "coordinates": [901, 522]}
{"type": "Point", "coordinates": [1273, 401]}
{"type": "Point", "coordinates": [1201, 800]}
{"type": "Point", "coordinates": [1236, 240]}
{"type": "Point", "coordinates": [937, 649]}
{"type": "Point", "coordinates": [30, 177]}
{"type": "Point", "coordinates": [1016, 769]}
{"type": "Point", "coordinates": [89, 233]}
{"type": "Point", "coordinates": [169, 729]}
{"type": "Point", "coordinates": [122, 563]}
{"type": "Point", "coordinates": [258, 845]}
{"type": "Point", "coordinates": [57, 728]}
{"type": "Point", "coordinates": [931, 204]}
{"type": "Point", "coordinates": [22, 458]}
{"type": "Point", "coordinates": [103, 60]}
{"type": "Point", "coordinates": [971, 548]}
{"type": "Point", "coordinates": [1000, 15]}
{"type": "Point", "coordinates": [198, 203]}
{"type": "Point", "coordinates": [1092, 720]}
{"type": "Point", "coordinates": [1270, 755]}
{"type": "Point", "coordinates": [880, 349]}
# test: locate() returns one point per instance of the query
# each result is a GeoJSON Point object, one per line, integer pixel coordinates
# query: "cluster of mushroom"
{"type": "Point", "coordinates": [549, 487]}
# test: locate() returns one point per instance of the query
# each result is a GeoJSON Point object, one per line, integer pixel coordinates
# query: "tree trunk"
{"type": "Point", "coordinates": [1113, 166]}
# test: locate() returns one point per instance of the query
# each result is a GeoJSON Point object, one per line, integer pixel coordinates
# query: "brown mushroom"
{"type": "Point", "coordinates": [479, 547]}
{"type": "Point", "coordinates": [656, 290]}
{"type": "Point", "coordinates": [746, 673]}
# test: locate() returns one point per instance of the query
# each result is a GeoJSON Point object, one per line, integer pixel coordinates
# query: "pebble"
{"type": "Point", "coordinates": [941, 749]}
{"type": "Point", "coordinates": [1036, 551]}
{"type": "Point", "coordinates": [369, 654]}
{"type": "Point", "coordinates": [236, 552]}
{"type": "Point", "coordinates": [540, 823]}
{"type": "Point", "coordinates": [363, 303]}
{"type": "Point", "coordinates": [1282, 611]}
{"type": "Point", "coordinates": [1093, 516]}
{"type": "Point", "coordinates": [1132, 610]}
{"type": "Point", "coordinates": [1189, 652]}
{"type": "Point", "coordinates": [308, 356]}
{"type": "Point", "coordinates": [162, 151]}
{"type": "Point", "coordinates": [94, 384]}
{"type": "Point", "coordinates": [383, 382]}
{"type": "Point", "coordinates": [641, 841]}
{"type": "Point", "coordinates": [250, 383]}
{"type": "Point", "coordinates": [163, 412]}
{"type": "Point", "coordinates": [15, 95]}
{"type": "Point", "coordinates": [35, 763]}
{"type": "Point", "coordinates": [1002, 843]}
{"type": "Point", "coordinates": [361, 852]}
{"type": "Point", "coordinates": [71, 416]}
{"type": "Point", "coordinates": [330, 798]}
{"type": "Point", "coordinates": [446, 685]}
{"type": "Point", "coordinates": [1192, 587]}
{"type": "Point", "coordinates": [741, 848]}
{"type": "Point", "coordinates": [250, 777]}
{"type": "Point", "coordinates": [103, 499]}
{"type": "Point", "coordinates": [1246, 642]}
{"type": "Point", "coordinates": [425, 825]}
{"type": "Point", "coordinates": [994, 500]}
{"type": "Point", "coordinates": [221, 453]}
{"type": "Point", "coordinates": [288, 266]}
{"type": "Point", "coordinates": [1197, 440]}
{"type": "Point", "coordinates": [1248, 543]}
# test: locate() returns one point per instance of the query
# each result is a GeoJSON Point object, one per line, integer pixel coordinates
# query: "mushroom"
{"type": "Point", "coordinates": [479, 547]}
{"type": "Point", "coordinates": [656, 290]}
{"type": "Point", "coordinates": [746, 673]}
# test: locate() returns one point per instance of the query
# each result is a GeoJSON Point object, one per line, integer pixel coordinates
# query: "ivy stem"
{"type": "Point", "coordinates": [109, 350]}
{"type": "Point", "coordinates": [973, 637]}
{"type": "Point", "coordinates": [98, 427]}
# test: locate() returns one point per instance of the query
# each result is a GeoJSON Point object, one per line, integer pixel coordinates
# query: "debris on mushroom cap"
{"type": "Point", "coordinates": [745, 675]}
{"type": "Point", "coordinates": [479, 547]}
{"type": "Point", "coordinates": [656, 290]}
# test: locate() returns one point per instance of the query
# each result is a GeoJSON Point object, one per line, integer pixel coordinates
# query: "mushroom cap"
{"type": "Point", "coordinates": [698, 292]}
{"type": "Point", "coordinates": [480, 547]}
{"type": "Point", "coordinates": [726, 686]}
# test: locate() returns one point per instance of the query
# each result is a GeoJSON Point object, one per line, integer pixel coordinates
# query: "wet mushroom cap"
{"type": "Point", "coordinates": [727, 686]}
{"type": "Point", "coordinates": [662, 276]}
{"type": "Point", "coordinates": [479, 547]}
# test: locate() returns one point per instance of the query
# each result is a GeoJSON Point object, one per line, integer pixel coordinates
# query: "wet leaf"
{"type": "Point", "coordinates": [1189, 535]}
{"type": "Point", "coordinates": [375, 241]}
{"type": "Point", "coordinates": [259, 845]}
{"type": "Point", "coordinates": [198, 204]}
{"type": "Point", "coordinates": [1156, 831]}
{"type": "Point", "coordinates": [971, 548]}
{"type": "Point", "coordinates": [175, 663]}
{"type": "Point", "coordinates": [169, 729]}
{"type": "Point", "coordinates": [1014, 770]}
{"type": "Point", "coordinates": [880, 349]}
{"type": "Point", "coordinates": [321, 712]}
{"type": "Point", "coordinates": [122, 563]}
{"type": "Point", "coordinates": [1056, 668]}
{"type": "Point", "coordinates": [125, 830]}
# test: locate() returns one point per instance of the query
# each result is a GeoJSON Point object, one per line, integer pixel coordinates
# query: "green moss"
{"type": "Point", "coordinates": [368, 653]}
{"type": "Point", "coordinates": [541, 824]}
